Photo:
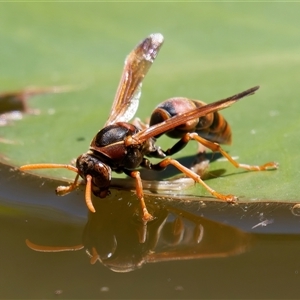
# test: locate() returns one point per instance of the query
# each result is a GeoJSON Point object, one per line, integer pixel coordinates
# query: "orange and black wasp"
{"type": "Point", "coordinates": [123, 147]}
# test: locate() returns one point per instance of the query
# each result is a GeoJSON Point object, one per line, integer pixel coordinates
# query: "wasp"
{"type": "Point", "coordinates": [123, 147]}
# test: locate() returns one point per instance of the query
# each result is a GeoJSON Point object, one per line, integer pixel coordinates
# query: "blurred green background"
{"type": "Point", "coordinates": [211, 51]}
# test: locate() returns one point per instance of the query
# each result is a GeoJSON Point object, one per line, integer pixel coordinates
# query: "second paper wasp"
{"type": "Point", "coordinates": [123, 147]}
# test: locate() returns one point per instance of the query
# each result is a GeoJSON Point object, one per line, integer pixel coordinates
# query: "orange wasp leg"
{"type": "Point", "coordinates": [215, 147]}
{"type": "Point", "coordinates": [140, 194]}
{"type": "Point", "coordinates": [94, 256]}
{"type": "Point", "coordinates": [63, 190]}
{"type": "Point", "coordinates": [169, 161]}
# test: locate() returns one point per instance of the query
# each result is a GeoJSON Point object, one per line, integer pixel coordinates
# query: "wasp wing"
{"type": "Point", "coordinates": [137, 64]}
{"type": "Point", "coordinates": [178, 120]}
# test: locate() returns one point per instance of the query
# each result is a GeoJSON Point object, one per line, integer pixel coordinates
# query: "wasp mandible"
{"type": "Point", "coordinates": [123, 147]}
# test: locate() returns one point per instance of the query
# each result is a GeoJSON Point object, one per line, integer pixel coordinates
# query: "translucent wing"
{"type": "Point", "coordinates": [136, 67]}
{"type": "Point", "coordinates": [177, 120]}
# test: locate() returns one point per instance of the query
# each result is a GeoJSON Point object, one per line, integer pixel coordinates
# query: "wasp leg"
{"type": "Point", "coordinates": [169, 161]}
{"type": "Point", "coordinates": [177, 147]}
{"type": "Point", "coordinates": [94, 256]}
{"type": "Point", "coordinates": [215, 147]}
{"type": "Point", "coordinates": [63, 190]}
{"type": "Point", "coordinates": [88, 193]}
{"type": "Point", "coordinates": [140, 194]}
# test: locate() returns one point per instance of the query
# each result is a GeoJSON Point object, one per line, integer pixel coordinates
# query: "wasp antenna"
{"type": "Point", "coordinates": [48, 166]}
{"type": "Point", "coordinates": [40, 248]}
{"type": "Point", "coordinates": [88, 195]}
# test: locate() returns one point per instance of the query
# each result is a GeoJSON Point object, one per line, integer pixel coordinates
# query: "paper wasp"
{"type": "Point", "coordinates": [121, 146]}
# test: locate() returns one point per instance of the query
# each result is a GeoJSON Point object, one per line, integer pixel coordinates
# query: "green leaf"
{"type": "Point", "coordinates": [211, 51]}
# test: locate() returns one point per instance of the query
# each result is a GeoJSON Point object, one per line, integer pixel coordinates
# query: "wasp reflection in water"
{"type": "Point", "coordinates": [117, 238]}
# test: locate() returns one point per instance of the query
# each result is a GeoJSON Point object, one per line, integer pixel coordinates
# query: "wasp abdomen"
{"type": "Point", "coordinates": [212, 126]}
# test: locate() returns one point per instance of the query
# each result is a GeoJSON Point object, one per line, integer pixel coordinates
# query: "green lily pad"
{"type": "Point", "coordinates": [208, 55]}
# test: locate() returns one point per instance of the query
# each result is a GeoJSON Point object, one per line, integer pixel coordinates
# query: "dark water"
{"type": "Point", "coordinates": [191, 250]}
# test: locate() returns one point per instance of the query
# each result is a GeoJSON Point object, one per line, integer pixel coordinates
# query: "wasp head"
{"type": "Point", "coordinates": [89, 164]}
